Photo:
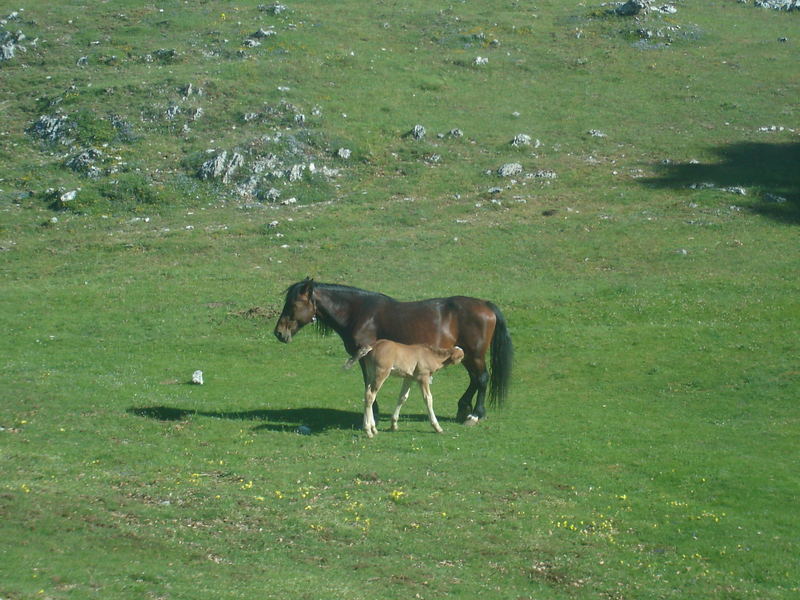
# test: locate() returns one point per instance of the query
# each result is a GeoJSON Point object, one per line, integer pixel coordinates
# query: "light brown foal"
{"type": "Point", "coordinates": [417, 362]}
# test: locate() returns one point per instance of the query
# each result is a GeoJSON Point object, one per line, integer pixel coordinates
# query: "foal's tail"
{"type": "Point", "coordinates": [501, 361]}
{"type": "Point", "coordinates": [362, 352]}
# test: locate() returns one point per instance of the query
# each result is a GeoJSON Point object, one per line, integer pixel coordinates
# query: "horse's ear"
{"type": "Point", "coordinates": [308, 286]}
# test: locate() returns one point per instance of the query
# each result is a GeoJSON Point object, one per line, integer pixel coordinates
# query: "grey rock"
{"type": "Point", "coordinates": [190, 90]}
{"type": "Point", "coordinates": [273, 9]}
{"type": "Point", "coordinates": [418, 132]}
{"type": "Point", "coordinates": [55, 129]}
{"type": "Point", "coordinates": [343, 153]}
{"type": "Point", "coordinates": [272, 194]}
{"type": "Point", "coordinates": [264, 33]}
{"type": "Point", "coordinates": [172, 112]}
{"type": "Point", "coordinates": [68, 196]}
{"type": "Point", "coordinates": [509, 170]}
{"type": "Point", "coordinates": [521, 139]}
{"type": "Point", "coordinates": [295, 173]}
{"type": "Point", "coordinates": [10, 43]}
{"type": "Point", "coordinates": [84, 162]}
{"type": "Point", "coordinates": [632, 8]}
{"type": "Point", "coordinates": [221, 167]}
{"type": "Point", "coordinates": [779, 4]}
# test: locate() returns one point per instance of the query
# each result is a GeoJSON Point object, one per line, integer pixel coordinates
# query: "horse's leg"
{"type": "Point", "coordinates": [478, 382]}
{"type": "Point", "coordinates": [465, 402]}
{"type": "Point", "coordinates": [480, 409]}
{"type": "Point", "coordinates": [404, 391]}
{"type": "Point", "coordinates": [428, 397]}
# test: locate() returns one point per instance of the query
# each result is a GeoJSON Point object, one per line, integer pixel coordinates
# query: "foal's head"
{"type": "Point", "coordinates": [298, 310]}
{"type": "Point", "coordinates": [456, 356]}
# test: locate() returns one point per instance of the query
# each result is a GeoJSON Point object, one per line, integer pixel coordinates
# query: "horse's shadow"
{"type": "Point", "coordinates": [312, 420]}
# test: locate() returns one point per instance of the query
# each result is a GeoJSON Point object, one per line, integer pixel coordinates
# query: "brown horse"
{"type": "Point", "coordinates": [360, 317]}
{"type": "Point", "coordinates": [415, 362]}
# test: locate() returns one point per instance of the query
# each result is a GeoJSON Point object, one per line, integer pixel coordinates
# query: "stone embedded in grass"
{"type": "Point", "coordinates": [189, 90]}
{"type": "Point", "coordinates": [84, 162]}
{"type": "Point", "coordinates": [509, 170]}
{"type": "Point", "coordinates": [480, 61]}
{"type": "Point", "coordinates": [521, 139]}
{"type": "Point", "coordinates": [220, 166]}
{"type": "Point", "coordinates": [597, 133]}
{"type": "Point", "coordinates": [272, 194]}
{"type": "Point", "coordinates": [264, 33]}
{"type": "Point", "coordinates": [295, 172]}
{"type": "Point", "coordinates": [197, 377]}
{"type": "Point", "coordinates": [172, 112]}
{"type": "Point", "coordinates": [456, 133]}
{"type": "Point", "coordinates": [273, 9]}
{"type": "Point", "coordinates": [418, 132]}
{"type": "Point", "coordinates": [633, 7]}
{"type": "Point", "coordinates": [68, 196]}
{"type": "Point", "coordinates": [343, 153]}
{"type": "Point", "coordinates": [10, 43]}
{"type": "Point", "coordinates": [779, 4]}
{"type": "Point", "coordinates": [55, 129]}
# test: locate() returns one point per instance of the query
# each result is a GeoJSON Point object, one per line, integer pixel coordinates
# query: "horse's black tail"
{"type": "Point", "coordinates": [502, 358]}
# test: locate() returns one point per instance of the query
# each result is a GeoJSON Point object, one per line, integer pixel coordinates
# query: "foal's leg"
{"type": "Point", "coordinates": [370, 392]}
{"type": "Point", "coordinates": [428, 397]}
{"type": "Point", "coordinates": [365, 373]}
{"type": "Point", "coordinates": [400, 401]}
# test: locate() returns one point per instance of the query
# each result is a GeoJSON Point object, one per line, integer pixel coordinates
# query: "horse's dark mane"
{"type": "Point", "coordinates": [323, 327]}
{"type": "Point", "coordinates": [292, 291]}
{"type": "Point", "coordinates": [348, 289]}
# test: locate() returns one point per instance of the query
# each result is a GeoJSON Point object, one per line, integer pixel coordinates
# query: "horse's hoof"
{"type": "Point", "coordinates": [471, 421]}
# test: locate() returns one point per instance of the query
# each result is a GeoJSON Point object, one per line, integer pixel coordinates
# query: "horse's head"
{"type": "Point", "coordinates": [456, 356]}
{"type": "Point", "coordinates": [298, 310]}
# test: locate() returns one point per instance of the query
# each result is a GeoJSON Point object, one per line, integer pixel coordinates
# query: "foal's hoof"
{"type": "Point", "coordinates": [471, 421]}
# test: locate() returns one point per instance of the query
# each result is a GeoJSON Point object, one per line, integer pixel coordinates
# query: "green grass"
{"type": "Point", "coordinates": [647, 450]}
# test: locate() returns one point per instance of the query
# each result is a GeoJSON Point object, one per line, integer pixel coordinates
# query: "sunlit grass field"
{"type": "Point", "coordinates": [648, 448]}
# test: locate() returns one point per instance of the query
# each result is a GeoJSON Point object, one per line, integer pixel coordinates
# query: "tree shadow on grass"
{"type": "Point", "coordinates": [317, 420]}
{"type": "Point", "coordinates": [770, 172]}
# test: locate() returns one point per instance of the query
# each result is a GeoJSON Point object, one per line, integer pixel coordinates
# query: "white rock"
{"type": "Point", "coordinates": [197, 377]}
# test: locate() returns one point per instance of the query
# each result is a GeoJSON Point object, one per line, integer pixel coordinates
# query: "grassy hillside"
{"type": "Point", "coordinates": [645, 257]}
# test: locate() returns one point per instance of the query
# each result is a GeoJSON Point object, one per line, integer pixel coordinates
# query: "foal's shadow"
{"type": "Point", "coordinates": [316, 420]}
